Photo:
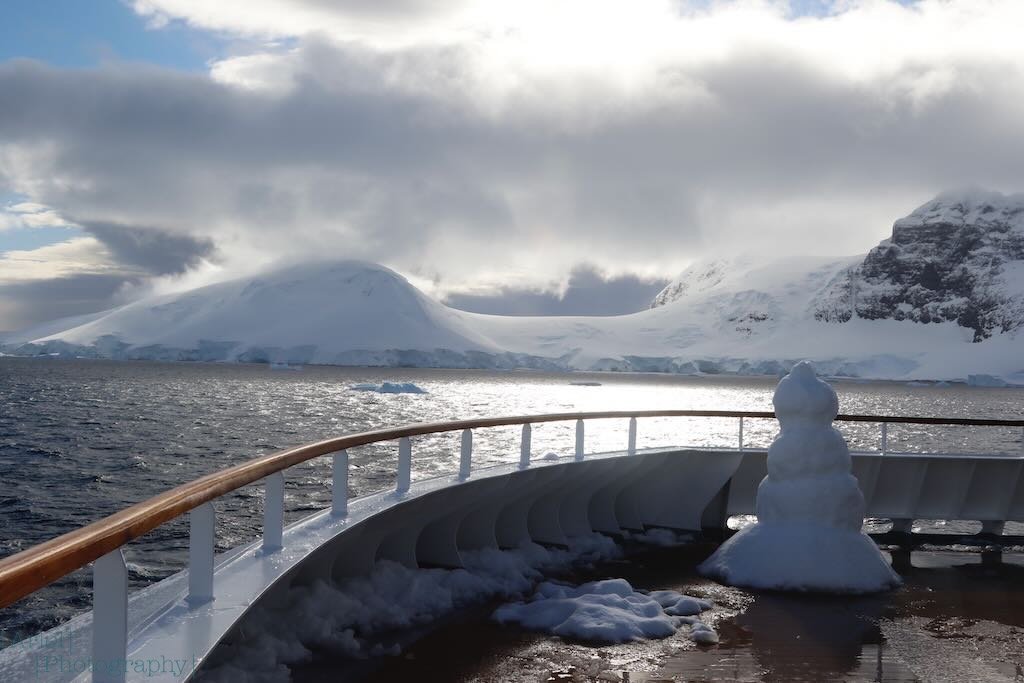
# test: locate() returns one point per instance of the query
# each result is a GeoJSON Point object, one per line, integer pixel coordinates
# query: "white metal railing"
{"type": "Point", "coordinates": [110, 575]}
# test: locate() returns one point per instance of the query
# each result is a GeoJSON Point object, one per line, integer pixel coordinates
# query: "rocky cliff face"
{"type": "Point", "coordinates": [960, 257]}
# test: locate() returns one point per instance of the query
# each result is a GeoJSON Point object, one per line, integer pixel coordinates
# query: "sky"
{"type": "Point", "coordinates": [536, 157]}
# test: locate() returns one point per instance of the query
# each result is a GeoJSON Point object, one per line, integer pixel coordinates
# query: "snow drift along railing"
{"type": "Point", "coordinates": [32, 569]}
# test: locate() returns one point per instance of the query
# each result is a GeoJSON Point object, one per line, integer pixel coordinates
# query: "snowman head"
{"type": "Point", "coordinates": [801, 395]}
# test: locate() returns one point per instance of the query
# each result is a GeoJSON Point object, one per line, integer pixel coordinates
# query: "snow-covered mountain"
{"type": "Point", "coordinates": [347, 313]}
{"type": "Point", "coordinates": [960, 257]}
{"type": "Point", "coordinates": [956, 263]}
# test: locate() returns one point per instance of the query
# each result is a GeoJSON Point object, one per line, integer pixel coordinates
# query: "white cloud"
{"type": "Point", "coordinates": [30, 215]}
{"type": "Point", "coordinates": [73, 257]}
{"type": "Point", "coordinates": [494, 144]}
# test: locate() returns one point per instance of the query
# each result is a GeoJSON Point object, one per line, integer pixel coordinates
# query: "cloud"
{"type": "Point", "coordinates": [496, 145]}
{"type": "Point", "coordinates": [30, 302]}
{"type": "Point", "coordinates": [588, 291]}
{"type": "Point", "coordinates": [154, 251]}
{"type": "Point", "coordinates": [30, 215]}
{"type": "Point", "coordinates": [76, 276]}
{"type": "Point", "coordinates": [78, 255]}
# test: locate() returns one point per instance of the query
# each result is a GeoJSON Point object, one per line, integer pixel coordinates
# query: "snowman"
{"type": "Point", "coordinates": [810, 509]}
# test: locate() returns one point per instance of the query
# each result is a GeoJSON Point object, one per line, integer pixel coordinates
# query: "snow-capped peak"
{"type": "Point", "coordinates": [981, 209]}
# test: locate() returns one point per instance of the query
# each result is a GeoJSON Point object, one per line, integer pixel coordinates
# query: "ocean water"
{"type": "Point", "coordinates": [82, 439]}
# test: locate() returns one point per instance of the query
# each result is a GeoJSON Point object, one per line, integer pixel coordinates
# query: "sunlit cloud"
{"type": "Point", "coordinates": [30, 215]}
{"type": "Point", "coordinates": [492, 146]}
{"type": "Point", "coordinates": [78, 255]}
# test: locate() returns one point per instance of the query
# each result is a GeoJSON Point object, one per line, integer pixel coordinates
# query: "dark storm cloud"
{"type": "Point", "coordinates": [154, 251]}
{"type": "Point", "coordinates": [588, 292]}
{"type": "Point", "coordinates": [348, 158]}
{"type": "Point", "coordinates": [30, 302]}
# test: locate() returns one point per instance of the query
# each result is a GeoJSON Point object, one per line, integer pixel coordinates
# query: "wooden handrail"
{"type": "Point", "coordinates": [25, 572]}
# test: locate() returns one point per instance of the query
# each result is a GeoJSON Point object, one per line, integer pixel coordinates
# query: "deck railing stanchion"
{"type": "Point", "coordinates": [273, 512]}
{"type": "Point", "coordinates": [201, 521]}
{"type": "Point", "coordinates": [404, 465]}
{"type": "Point", "coordinates": [25, 572]}
{"type": "Point", "coordinates": [466, 459]}
{"type": "Point", "coordinates": [631, 443]}
{"type": "Point", "coordinates": [579, 439]}
{"type": "Point", "coordinates": [524, 448]}
{"type": "Point", "coordinates": [339, 484]}
{"type": "Point", "coordinates": [109, 618]}
{"type": "Point", "coordinates": [741, 435]}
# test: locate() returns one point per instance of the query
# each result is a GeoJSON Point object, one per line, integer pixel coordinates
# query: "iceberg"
{"type": "Point", "coordinates": [389, 388]}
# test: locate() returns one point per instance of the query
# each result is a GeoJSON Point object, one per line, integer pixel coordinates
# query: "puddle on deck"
{"type": "Point", "coordinates": [958, 617]}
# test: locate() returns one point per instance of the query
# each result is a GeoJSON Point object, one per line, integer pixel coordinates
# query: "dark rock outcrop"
{"type": "Point", "coordinates": [960, 257]}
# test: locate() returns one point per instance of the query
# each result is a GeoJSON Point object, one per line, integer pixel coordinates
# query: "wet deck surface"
{"type": "Point", "coordinates": [959, 617]}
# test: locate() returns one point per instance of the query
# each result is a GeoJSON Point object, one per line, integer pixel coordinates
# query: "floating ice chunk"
{"type": "Point", "coordinates": [400, 388]}
{"type": "Point", "coordinates": [607, 611]}
{"type": "Point", "coordinates": [389, 388]}
{"type": "Point", "coordinates": [981, 380]}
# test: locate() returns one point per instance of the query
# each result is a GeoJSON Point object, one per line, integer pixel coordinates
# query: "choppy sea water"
{"type": "Point", "coordinates": [82, 439]}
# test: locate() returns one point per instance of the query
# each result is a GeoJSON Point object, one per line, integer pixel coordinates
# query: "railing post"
{"type": "Point", "coordinates": [524, 448]}
{"type": "Point", "coordinates": [631, 445]}
{"type": "Point", "coordinates": [741, 435]}
{"type": "Point", "coordinates": [404, 465]}
{"type": "Point", "coordinates": [466, 459]}
{"type": "Point", "coordinates": [885, 437]}
{"type": "Point", "coordinates": [110, 618]}
{"type": "Point", "coordinates": [201, 521]}
{"type": "Point", "coordinates": [273, 512]}
{"type": "Point", "coordinates": [579, 439]}
{"type": "Point", "coordinates": [339, 484]}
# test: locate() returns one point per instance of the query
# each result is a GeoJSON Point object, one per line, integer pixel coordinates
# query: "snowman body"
{"type": "Point", "coordinates": [810, 509]}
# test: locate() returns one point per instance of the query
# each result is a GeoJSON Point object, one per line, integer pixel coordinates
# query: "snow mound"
{"type": "Point", "coordinates": [608, 611]}
{"type": "Point", "coordinates": [663, 538]}
{"type": "Point", "coordinates": [810, 510]}
{"type": "Point", "coordinates": [364, 617]}
{"type": "Point", "coordinates": [390, 388]}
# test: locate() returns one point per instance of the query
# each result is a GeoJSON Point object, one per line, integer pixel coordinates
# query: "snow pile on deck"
{"type": "Point", "coordinates": [364, 617]}
{"type": "Point", "coordinates": [608, 611]}
{"type": "Point", "coordinates": [809, 508]}
{"type": "Point", "coordinates": [389, 388]}
{"type": "Point", "coordinates": [659, 537]}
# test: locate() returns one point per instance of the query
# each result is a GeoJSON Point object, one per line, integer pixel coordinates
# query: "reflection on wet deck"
{"type": "Point", "coordinates": [782, 638]}
{"type": "Point", "coordinates": [958, 617]}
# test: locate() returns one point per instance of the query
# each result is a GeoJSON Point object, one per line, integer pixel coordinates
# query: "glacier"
{"type": "Point", "coordinates": [916, 310]}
